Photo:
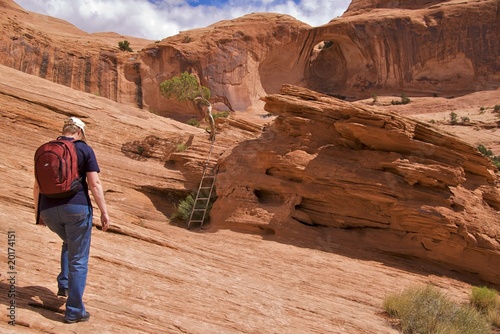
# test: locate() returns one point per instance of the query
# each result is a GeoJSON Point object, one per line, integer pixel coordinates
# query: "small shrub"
{"type": "Point", "coordinates": [465, 119]}
{"type": "Point", "coordinates": [194, 122]}
{"type": "Point", "coordinates": [181, 147]}
{"type": "Point", "coordinates": [221, 114]}
{"type": "Point", "coordinates": [453, 118]}
{"type": "Point", "coordinates": [495, 159]}
{"type": "Point", "coordinates": [125, 46]}
{"type": "Point", "coordinates": [427, 310]}
{"type": "Point", "coordinates": [496, 108]}
{"type": "Point", "coordinates": [375, 98]}
{"type": "Point", "coordinates": [486, 301]}
{"type": "Point", "coordinates": [404, 100]}
{"type": "Point", "coordinates": [183, 209]}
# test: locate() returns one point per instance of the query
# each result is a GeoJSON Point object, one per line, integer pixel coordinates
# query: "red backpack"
{"type": "Point", "coordinates": [56, 169]}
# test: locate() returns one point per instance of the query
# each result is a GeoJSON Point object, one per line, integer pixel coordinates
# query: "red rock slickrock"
{"type": "Point", "coordinates": [324, 206]}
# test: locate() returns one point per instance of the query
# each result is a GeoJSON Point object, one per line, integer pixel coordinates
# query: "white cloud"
{"type": "Point", "coordinates": [158, 19]}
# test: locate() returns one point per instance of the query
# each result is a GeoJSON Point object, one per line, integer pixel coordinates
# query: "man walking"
{"type": "Point", "coordinates": [71, 219]}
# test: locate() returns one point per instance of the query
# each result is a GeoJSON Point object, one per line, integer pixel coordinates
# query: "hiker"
{"type": "Point", "coordinates": [71, 219]}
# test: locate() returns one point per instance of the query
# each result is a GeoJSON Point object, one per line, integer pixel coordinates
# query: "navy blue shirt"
{"type": "Point", "coordinates": [87, 162]}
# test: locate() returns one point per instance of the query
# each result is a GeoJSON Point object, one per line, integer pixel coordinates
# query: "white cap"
{"type": "Point", "coordinates": [77, 122]}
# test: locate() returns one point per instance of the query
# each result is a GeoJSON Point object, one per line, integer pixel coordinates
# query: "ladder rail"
{"type": "Point", "coordinates": [206, 175]}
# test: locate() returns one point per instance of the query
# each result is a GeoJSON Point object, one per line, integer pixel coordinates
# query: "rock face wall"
{"type": "Point", "coordinates": [376, 47]}
{"type": "Point", "coordinates": [426, 48]}
{"type": "Point", "coordinates": [240, 60]}
{"type": "Point", "coordinates": [91, 69]}
{"type": "Point", "coordinates": [401, 184]}
{"type": "Point", "coordinates": [58, 51]}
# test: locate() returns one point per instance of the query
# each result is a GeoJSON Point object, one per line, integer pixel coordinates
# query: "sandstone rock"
{"type": "Point", "coordinates": [418, 47]}
{"type": "Point", "coordinates": [149, 276]}
{"type": "Point", "coordinates": [404, 186]}
{"type": "Point", "coordinates": [57, 51]}
{"type": "Point", "coordinates": [377, 47]}
{"type": "Point", "coordinates": [240, 60]}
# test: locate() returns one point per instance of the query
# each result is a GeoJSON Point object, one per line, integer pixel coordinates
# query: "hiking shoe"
{"type": "Point", "coordinates": [62, 292]}
{"type": "Point", "coordinates": [86, 317]}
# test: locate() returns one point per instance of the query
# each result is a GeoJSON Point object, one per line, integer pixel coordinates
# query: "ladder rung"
{"type": "Point", "coordinates": [202, 198]}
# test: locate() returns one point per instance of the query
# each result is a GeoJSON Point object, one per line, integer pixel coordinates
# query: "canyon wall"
{"type": "Point", "coordinates": [444, 48]}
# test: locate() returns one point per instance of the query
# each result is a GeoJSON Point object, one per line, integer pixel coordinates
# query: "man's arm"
{"type": "Point", "coordinates": [95, 188]}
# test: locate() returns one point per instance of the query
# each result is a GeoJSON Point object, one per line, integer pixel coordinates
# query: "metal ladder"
{"type": "Point", "coordinates": [205, 192]}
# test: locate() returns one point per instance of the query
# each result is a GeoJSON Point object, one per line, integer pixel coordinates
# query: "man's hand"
{"type": "Point", "coordinates": [104, 221]}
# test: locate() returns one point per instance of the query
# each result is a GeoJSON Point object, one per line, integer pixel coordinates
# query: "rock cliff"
{"type": "Point", "coordinates": [240, 60]}
{"type": "Point", "coordinates": [55, 50]}
{"type": "Point", "coordinates": [418, 47]}
{"type": "Point", "coordinates": [377, 47]}
{"type": "Point", "coordinates": [399, 184]}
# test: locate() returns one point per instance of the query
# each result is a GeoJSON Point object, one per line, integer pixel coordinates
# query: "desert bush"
{"type": "Point", "coordinates": [496, 108]}
{"type": "Point", "coordinates": [194, 122]}
{"type": "Point", "coordinates": [220, 114]}
{"type": "Point", "coordinates": [453, 118]}
{"type": "Point", "coordinates": [124, 46]}
{"type": "Point", "coordinates": [183, 209]}
{"type": "Point", "coordinates": [427, 310]}
{"type": "Point", "coordinates": [486, 301]}
{"type": "Point", "coordinates": [404, 100]}
{"type": "Point", "coordinates": [181, 147]}
{"type": "Point", "coordinates": [495, 159]}
{"type": "Point", "coordinates": [184, 87]}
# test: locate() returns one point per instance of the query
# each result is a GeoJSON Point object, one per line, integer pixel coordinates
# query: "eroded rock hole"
{"type": "Point", "coordinates": [268, 197]}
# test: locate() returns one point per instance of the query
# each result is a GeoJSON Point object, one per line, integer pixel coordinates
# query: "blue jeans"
{"type": "Point", "coordinates": [73, 224]}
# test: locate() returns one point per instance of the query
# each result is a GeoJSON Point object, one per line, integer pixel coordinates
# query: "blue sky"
{"type": "Point", "coordinates": [221, 3]}
{"type": "Point", "coordinates": [206, 3]}
{"type": "Point", "coordinates": [158, 19]}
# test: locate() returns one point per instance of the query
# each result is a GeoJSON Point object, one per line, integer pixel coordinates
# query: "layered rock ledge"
{"type": "Point", "coordinates": [398, 184]}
